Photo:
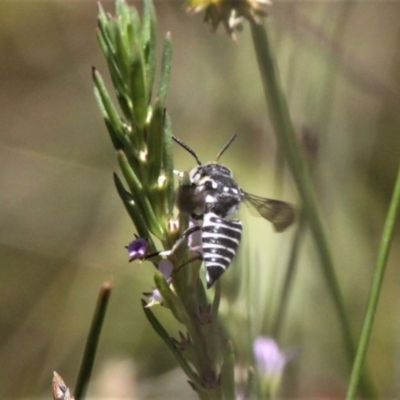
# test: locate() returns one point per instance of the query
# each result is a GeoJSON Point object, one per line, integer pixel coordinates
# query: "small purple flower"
{"type": "Point", "coordinates": [137, 249]}
{"type": "Point", "coordinates": [154, 298]}
{"type": "Point", "coordinates": [269, 358]}
{"type": "Point", "coordinates": [270, 362]}
{"type": "Point", "coordinates": [165, 267]}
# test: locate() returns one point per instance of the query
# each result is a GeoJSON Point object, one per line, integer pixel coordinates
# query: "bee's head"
{"type": "Point", "coordinates": [202, 172]}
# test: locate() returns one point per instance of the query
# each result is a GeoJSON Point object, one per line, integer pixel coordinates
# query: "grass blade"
{"type": "Point", "coordinates": [89, 354]}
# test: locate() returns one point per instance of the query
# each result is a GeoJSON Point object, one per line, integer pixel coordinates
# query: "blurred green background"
{"type": "Point", "coordinates": [63, 227]}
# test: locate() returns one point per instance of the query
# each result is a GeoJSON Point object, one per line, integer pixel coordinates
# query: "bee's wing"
{"type": "Point", "coordinates": [280, 213]}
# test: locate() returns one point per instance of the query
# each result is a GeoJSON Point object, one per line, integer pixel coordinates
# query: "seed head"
{"type": "Point", "coordinates": [232, 13]}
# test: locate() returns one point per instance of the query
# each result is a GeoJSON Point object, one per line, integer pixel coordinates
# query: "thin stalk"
{"type": "Point", "coordinates": [89, 354]}
{"type": "Point", "coordinates": [288, 142]}
{"type": "Point", "coordinates": [376, 286]}
{"type": "Point", "coordinates": [289, 279]}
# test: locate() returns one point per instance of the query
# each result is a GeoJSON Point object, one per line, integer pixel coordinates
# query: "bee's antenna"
{"type": "Point", "coordinates": [188, 149]}
{"type": "Point", "coordinates": [226, 146]}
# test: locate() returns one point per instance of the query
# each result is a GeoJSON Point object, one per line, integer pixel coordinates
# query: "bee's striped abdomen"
{"type": "Point", "coordinates": [220, 240]}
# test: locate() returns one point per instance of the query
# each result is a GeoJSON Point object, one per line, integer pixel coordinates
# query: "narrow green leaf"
{"type": "Point", "coordinates": [123, 13]}
{"type": "Point", "coordinates": [139, 196]}
{"type": "Point", "coordinates": [165, 69]}
{"type": "Point", "coordinates": [133, 211]}
{"type": "Point", "coordinates": [149, 36]}
{"type": "Point", "coordinates": [171, 299]}
{"type": "Point", "coordinates": [286, 291]}
{"type": "Point", "coordinates": [129, 25]}
{"type": "Point", "coordinates": [130, 31]}
{"type": "Point", "coordinates": [131, 153]}
{"type": "Point", "coordinates": [131, 178]}
{"type": "Point", "coordinates": [168, 164]}
{"type": "Point", "coordinates": [114, 135]}
{"type": "Point", "coordinates": [119, 6]}
{"type": "Point", "coordinates": [155, 144]}
{"type": "Point", "coordinates": [374, 295]}
{"type": "Point", "coordinates": [138, 87]}
{"type": "Point", "coordinates": [102, 42]}
{"type": "Point", "coordinates": [107, 44]}
{"type": "Point", "coordinates": [102, 23]}
{"type": "Point", "coordinates": [92, 342]}
{"type": "Point", "coordinates": [149, 23]}
{"type": "Point", "coordinates": [124, 102]}
{"type": "Point", "coordinates": [123, 51]}
{"type": "Point", "coordinates": [108, 47]}
{"type": "Point", "coordinates": [228, 373]}
{"type": "Point", "coordinates": [166, 338]}
{"type": "Point", "coordinates": [106, 105]}
{"type": "Point", "coordinates": [106, 38]}
{"type": "Point", "coordinates": [120, 86]}
{"type": "Point", "coordinates": [136, 25]}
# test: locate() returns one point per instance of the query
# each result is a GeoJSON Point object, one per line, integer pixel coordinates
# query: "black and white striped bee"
{"type": "Point", "coordinates": [214, 197]}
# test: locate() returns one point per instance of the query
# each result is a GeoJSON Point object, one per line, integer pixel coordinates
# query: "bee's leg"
{"type": "Point", "coordinates": [157, 253]}
{"type": "Point", "coordinates": [185, 235]}
{"type": "Point", "coordinates": [198, 256]}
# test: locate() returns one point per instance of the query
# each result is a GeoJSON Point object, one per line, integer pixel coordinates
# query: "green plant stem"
{"type": "Point", "coordinates": [289, 278]}
{"type": "Point", "coordinates": [376, 286]}
{"type": "Point", "coordinates": [288, 142]}
{"type": "Point", "coordinates": [89, 354]}
{"type": "Point", "coordinates": [159, 329]}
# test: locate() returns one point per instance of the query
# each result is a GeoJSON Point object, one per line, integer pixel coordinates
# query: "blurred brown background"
{"type": "Point", "coordinates": [63, 227]}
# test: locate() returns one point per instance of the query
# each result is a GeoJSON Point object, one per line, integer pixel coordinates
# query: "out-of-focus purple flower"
{"type": "Point", "coordinates": [154, 298]}
{"type": "Point", "coordinates": [137, 249]}
{"type": "Point", "coordinates": [269, 358]}
{"type": "Point", "coordinates": [165, 267]}
{"type": "Point", "coordinates": [270, 361]}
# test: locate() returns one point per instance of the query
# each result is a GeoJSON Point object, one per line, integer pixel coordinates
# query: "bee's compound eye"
{"type": "Point", "coordinates": [210, 184]}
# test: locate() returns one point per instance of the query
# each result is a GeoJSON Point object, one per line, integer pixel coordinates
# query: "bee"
{"type": "Point", "coordinates": [214, 197]}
